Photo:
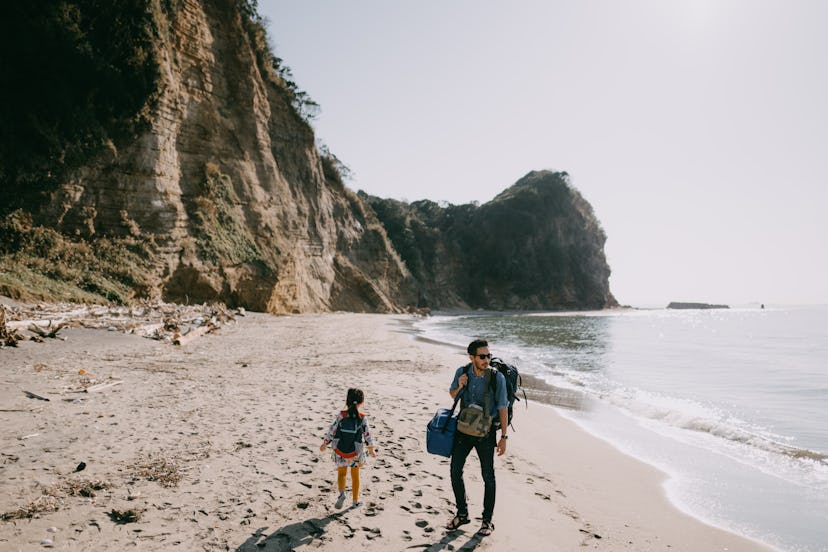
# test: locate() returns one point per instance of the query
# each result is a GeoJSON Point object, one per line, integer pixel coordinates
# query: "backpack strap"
{"type": "Point", "coordinates": [487, 396]}
{"type": "Point", "coordinates": [345, 416]}
{"type": "Point", "coordinates": [466, 371]}
{"type": "Point", "coordinates": [496, 421]}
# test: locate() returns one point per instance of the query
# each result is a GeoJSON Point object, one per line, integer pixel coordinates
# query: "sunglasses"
{"type": "Point", "coordinates": [484, 357]}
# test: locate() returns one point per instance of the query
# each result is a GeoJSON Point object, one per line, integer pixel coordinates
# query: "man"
{"type": "Point", "coordinates": [474, 382]}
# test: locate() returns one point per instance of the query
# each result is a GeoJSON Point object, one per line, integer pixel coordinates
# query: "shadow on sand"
{"type": "Point", "coordinates": [288, 537]}
{"type": "Point", "coordinates": [450, 537]}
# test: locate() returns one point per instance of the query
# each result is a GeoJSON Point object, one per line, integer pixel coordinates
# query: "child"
{"type": "Point", "coordinates": [347, 435]}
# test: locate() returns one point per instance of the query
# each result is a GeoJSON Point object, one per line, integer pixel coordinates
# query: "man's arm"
{"type": "Point", "coordinates": [503, 414]}
{"type": "Point", "coordinates": [462, 380]}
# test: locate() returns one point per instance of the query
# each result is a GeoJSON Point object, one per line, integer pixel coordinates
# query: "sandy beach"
{"type": "Point", "coordinates": [214, 446]}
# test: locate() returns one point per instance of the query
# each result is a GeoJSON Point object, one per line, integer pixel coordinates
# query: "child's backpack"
{"type": "Point", "coordinates": [348, 436]}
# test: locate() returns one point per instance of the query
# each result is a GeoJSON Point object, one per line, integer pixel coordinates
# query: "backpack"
{"type": "Point", "coordinates": [513, 384]}
{"type": "Point", "coordinates": [348, 436]}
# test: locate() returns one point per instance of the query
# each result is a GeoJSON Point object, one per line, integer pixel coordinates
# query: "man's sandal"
{"type": "Point", "coordinates": [486, 529]}
{"type": "Point", "coordinates": [457, 521]}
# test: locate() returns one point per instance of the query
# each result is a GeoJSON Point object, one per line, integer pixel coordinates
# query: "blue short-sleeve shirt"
{"type": "Point", "coordinates": [476, 389]}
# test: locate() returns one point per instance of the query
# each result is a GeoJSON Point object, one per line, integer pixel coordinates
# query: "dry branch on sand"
{"type": "Point", "coordinates": [164, 471]}
{"type": "Point", "coordinates": [43, 503]}
{"type": "Point", "coordinates": [102, 386]}
{"type": "Point", "coordinates": [84, 487]}
{"type": "Point", "coordinates": [34, 396]}
{"type": "Point", "coordinates": [52, 499]}
{"type": "Point", "coordinates": [47, 329]}
{"type": "Point", "coordinates": [124, 516]}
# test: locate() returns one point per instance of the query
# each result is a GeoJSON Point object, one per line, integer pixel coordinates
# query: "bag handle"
{"type": "Point", "coordinates": [451, 413]}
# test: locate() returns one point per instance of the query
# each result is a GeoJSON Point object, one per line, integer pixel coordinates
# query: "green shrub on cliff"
{"type": "Point", "coordinates": [40, 263]}
{"type": "Point", "coordinates": [220, 227]}
{"type": "Point", "coordinates": [272, 66]}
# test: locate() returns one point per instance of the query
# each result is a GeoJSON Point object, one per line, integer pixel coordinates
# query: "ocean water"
{"type": "Point", "coordinates": [731, 404]}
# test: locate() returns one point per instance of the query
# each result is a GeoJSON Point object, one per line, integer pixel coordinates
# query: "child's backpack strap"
{"type": "Point", "coordinates": [343, 414]}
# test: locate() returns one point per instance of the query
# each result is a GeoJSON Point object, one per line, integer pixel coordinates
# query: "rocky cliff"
{"type": "Point", "coordinates": [158, 148]}
{"type": "Point", "coordinates": [536, 245]}
{"type": "Point", "coordinates": [215, 165]}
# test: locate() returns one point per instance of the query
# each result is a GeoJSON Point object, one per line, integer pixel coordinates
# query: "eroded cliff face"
{"type": "Point", "coordinates": [227, 182]}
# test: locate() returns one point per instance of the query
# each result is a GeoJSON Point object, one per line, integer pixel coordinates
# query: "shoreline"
{"type": "Point", "coordinates": [561, 402]}
{"type": "Point", "coordinates": [214, 445]}
{"type": "Point", "coordinates": [679, 393]}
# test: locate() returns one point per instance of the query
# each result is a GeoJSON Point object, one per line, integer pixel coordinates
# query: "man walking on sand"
{"type": "Point", "coordinates": [479, 395]}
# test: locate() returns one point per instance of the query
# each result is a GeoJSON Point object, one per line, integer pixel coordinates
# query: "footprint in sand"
{"type": "Point", "coordinates": [373, 509]}
{"type": "Point", "coordinates": [423, 524]}
{"type": "Point", "coordinates": [571, 513]}
{"type": "Point", "coordinates": [588, 535]}
{"type": "Point", "coordinates": [372, 532]}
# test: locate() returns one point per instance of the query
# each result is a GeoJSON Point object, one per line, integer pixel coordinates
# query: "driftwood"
{"type": "Point", "coordinates": [49, 331]}
{"type": "Point", "coordinates": [160, 321]}
{"type": "Point", "coordinates": [34, 396]}
{"type": "Point", "coordinates": [102, 386]}
{"type": "Point", "coordinates": [192, 334]}
{"type": "Point", "coordinates": [8, 335]}
{"type": "Point", "coordinates": [150, 330]}
{"type": "Point", "coordinates": [27, 323]}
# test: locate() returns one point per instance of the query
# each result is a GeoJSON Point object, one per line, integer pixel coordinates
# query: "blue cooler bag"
{"type": "Point", "coordinates": [440, 431]}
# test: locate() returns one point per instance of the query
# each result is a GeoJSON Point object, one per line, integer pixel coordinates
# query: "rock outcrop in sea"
{"type": "Point", "coordinates": [681, 305]}
{"type": "Point", "coordinates": [536, 246]}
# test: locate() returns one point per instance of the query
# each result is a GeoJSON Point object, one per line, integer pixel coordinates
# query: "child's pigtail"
{"type": "Point", "coordinates": [355, 398]}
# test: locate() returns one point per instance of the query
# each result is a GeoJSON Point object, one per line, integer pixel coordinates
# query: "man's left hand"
{"type": "Point", "coordinates": [501, 447]}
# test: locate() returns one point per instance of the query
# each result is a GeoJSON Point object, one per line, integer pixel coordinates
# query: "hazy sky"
{"type": "Point", "coordinates": [697, 129]}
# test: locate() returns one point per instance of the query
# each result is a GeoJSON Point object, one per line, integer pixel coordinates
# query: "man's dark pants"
{"type": "Point", "coordinates": [485, 447]}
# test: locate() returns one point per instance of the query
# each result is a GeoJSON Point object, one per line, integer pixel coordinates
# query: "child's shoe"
{"type": "Point", "coordinates": [356, 504]}
{"type": "Point", "coordinates": [341, 500]}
